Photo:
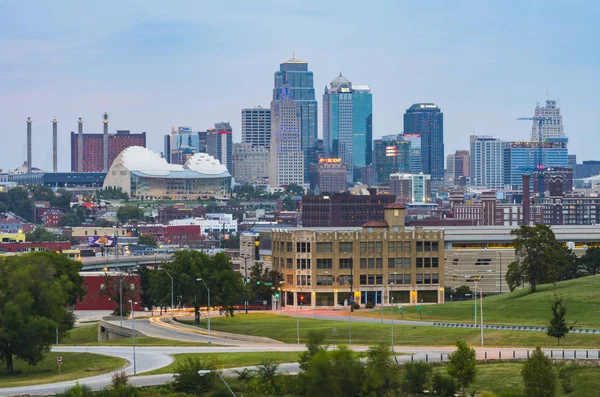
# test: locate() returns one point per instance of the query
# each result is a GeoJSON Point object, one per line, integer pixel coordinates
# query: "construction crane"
{"type": "Point", "coordinates": [539, 165]}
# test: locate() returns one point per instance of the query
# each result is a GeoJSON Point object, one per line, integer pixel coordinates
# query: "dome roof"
{"type": "Point", "coordinates": [340, 81]}
{"type": "Point", "coordinates": [206, 164]}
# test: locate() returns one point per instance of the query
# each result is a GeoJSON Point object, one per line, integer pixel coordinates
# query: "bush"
{"type": "Point", "coordinates": [77, 391]}
{"type": "Point", "coordinates": [443, 385]}
{"type": "Point", "coordinates": [187, 380]}
{"type": "Point", "coordinates": [416, 376]}
{"type": "Point", "coordinates": [369, 305]}
{"type": "Point", "coordinates": [119, 379]}
{"type": "Point", "coordinates": [565, 374]}
{"type": "Point", "coordinates": [356, 306]}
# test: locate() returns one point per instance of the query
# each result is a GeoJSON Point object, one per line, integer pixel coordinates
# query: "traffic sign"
{"type": "Point", "coordinates": [400, 308]}
{"type": "Point", "coordinates": [268, 283]}
{"type": "Point", "coordinates": [419, 307]}
{"type": "Point", "coordinates": [59, 360]}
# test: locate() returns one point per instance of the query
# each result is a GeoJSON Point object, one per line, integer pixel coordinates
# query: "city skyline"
{"type": "Point", "coordinates": [481, 71]}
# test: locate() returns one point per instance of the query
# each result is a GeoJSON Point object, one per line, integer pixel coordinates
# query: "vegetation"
{"type": "Point", "coordinates": [147, 239]}
{"type": "Point", "coordinates": [538, 257]}
{"type": "Point", "coordinates": [558, 327]}
{"type": "Point", "coordinates": [118, 289]}
{"type": "Point", "coordinates": [249, 192]}
{"type": "Point", "coordinates": [259, 277]}
{"type": "Point", "coordinates": [187, 267]}
{"type": "Point", "coordinates": [591, 260]}
{"type": "Point", "coordinates": [112, 193]}
{"type": "Point", "coordinates": [41, 234]}
{"type": "Point", "coordinates": [538, 376]}
{"type": "Point", "coordinates": [35, 291]}
{"type": "Point", "coordinates": [130, 212]}
{"type": "Point", "coordinates": [74, 366]}
{"type": "Point", "coordinates": [462, 366]}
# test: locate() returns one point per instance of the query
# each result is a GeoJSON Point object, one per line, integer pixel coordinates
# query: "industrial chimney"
{"type": "Point", "coordinates": [105, 143]}
{"type": "Point", "coordinates": [54, 145]}
{"type": "Point", "coordinates": [80, 146]}
{"type": "Point", "coordinates": [29, 145]}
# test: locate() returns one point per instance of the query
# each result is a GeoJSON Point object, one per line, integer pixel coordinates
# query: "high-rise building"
{"type": "Point", "coordinates": [458, 166]}
{"type": "Point", "coordinates": [552, 127]}
{"type": "Point", "coordinates": [256, 126]}
{"type": "Point", "coordinates": [92, 146]}
{"type": "Point", "coordinates": [219, 144]}
{"type": "Point", "coordinates": [181, 144]}
{"type": "Point", "coordinates": [293, 118]}
{"type": "Point", "coordinates": [572, 161]}
{"type": "Point", "coordinates": [487, 162]}
{"type": "Point", "coordinates": [427, 120]}
{"type": "Point", "coordinates": [329, 175]}
{"type": "Point", "coordinates": [348, 124]}
{"type": "Point", "coordinates": [414, 153]}
{"type": "Point", "coordinates": [250, 164]}
{"type": "Point", "coordinates": [587, 169]}
{"type": "Point", "coordinates": [391, 157]}
{"type": "Point", "coordinates": [522, 158]}
{"type": "Point", "coordinates": [410, 188]}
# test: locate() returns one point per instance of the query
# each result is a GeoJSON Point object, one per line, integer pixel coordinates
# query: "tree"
{"type": "Point", "coordinates": [591, 260]}
{"type": "Point", "coordinates": [558, 326]}
{"type": "Point", "coordinates": [315, 344]}
{"type": "Point", "coordinates": [129, 212]}
{"type": "Point", "coordinates": [294, 189]}
{"type": "Point", "coordinates": [112, 288]}
{"type": "Point", "coordinates": [104, 223]}
{"type": "Point", "coordinates": [35, 292]}
{"type": "Point", "coordinates": [187, 380]}
{"type": "Point", "coordinates": [570, 266]}
{"type": "Point", "coordinates": [70, 219]}
{"type": "Point", "coordinates": [538, 376]}
{"type": "Point", "coordinates": [381, 372]}
{"type": "Point", "coordinates": [336, 373]}
{"type": "Point", "coordinates": [259, 277]}
{"type": "Point", "coordinates": [147, 239]}
{"type": "Point", "coordinates": [416, 376]}
{"type": "Point", "coordinates": [288, 204]}
{"type": "Point", "coordinates": [145, 292]}
{"type": "Point", "coordinates": [462, 366]}
{"type": "Point", "coordinates": [538, 257]}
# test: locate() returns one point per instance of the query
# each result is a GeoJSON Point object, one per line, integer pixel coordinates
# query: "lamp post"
{"type": "Point", "coordinates": [245, 283]}
{"type": "Point", "coordinates": [133, 334]}
{"type": "Point", "coordinates": [501, 274]}
{"type": "Point", "coordinates": [475, 280]}
{"type": "Point", "coordinates": [349, 317]}
{"type": "Point", "coordinates": [171, 277]}
{"type": "Point", "coordinates": [208, 307]}
{"type": "Point", "coordinates": [392, 313]}
{"type": "Point", "coordinates": [203, 372]}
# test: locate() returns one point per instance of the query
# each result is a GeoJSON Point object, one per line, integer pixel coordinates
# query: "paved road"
{"type": "Point", "coordinates": [150, 358]}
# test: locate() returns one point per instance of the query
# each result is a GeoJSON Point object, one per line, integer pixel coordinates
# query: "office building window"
{"type": "Point", "coordinates": [288, 263]}
{"type": "Point", "coordinates": [302, 264]}
{"type": "Point", "coordinates": [419, 279]}
{"type": "Point", "coordinates": [324, 263]}
{"type": "Point", "coordinates": [345, 247]}
{"type": "Point", "coordinates": [435, 262]}
{"type": "Point", "coordinates": [379, 263]}
{"type": "Point", "coordinates": [324, 247]}
{"type": "Point", "coordinates": [345, 263]}
{"type": "Point", "coordinates": [302, 247]}
{"type": "Point", "coordinates": [363, 263]}
{"type": "Point", "coordinates": [435, 278]}
{"type": "Point", "coordinates": [324, 280]}
{"type": "Point", "coordinates": [407, 279]}
{"type": "Point", "coordinates": [419, 263]}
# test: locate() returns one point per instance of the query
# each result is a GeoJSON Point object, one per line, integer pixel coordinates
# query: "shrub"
{"type": "Point", "coordinates": [369, 305]}
{"type": "Point", "coordinates": [119, 379]}
{"type": "Point", "coordinates": [443, 385]}
{"type": "Point", "coordinates": [416, 376]}
{"type": "Point", "coordinates": [77, 391]}
{"type": "Point", "coordinates": [356, 306]}
{"type": "Point", "coordinates": [564, 376]}
{"type": "Point", "coordinates": [187, 380]}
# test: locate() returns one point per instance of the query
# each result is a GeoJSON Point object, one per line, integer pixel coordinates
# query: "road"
{"type": "Point", "coordinates": [150, 358]}
{"type": "Point", "coordinates": [336, 315]}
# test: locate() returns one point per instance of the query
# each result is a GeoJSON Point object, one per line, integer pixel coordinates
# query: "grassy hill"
{"type": "Point", "coordinates": [582, 298]}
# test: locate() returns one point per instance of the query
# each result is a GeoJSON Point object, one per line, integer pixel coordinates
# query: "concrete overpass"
{"type": "Point", "coordinates": [123, 261]}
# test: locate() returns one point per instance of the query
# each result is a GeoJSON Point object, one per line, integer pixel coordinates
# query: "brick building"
{"type": "Point", "coordinates": [93, 148]}
{"type": "Point", "coordinates": [179, 211]}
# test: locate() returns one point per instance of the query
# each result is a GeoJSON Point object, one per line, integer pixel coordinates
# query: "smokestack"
{"type": "Point", "coordinates": [80, 146]}
{"type": "Point", "coordinates": [29, 145]}
{"type": "Point", "coordinates": [105, 143]}
{"type": "Point", "coordinates": [54, 145]}
{"type": "Point", "coordinates": [526, 200]}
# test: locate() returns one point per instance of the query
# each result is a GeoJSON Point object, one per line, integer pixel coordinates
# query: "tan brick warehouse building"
{"type": "Point", "coordinates": [375, 262]}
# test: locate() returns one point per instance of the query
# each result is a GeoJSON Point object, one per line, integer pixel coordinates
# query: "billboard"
{"type": "Point", "coordinates": [101, 241]}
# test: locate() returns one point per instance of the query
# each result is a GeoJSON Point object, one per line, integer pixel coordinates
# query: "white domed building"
{"type": "Point", "coordinates": [145, 175]}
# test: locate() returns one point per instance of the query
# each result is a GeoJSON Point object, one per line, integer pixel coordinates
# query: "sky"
{"type": "Point", "coordinates": [153, 65]}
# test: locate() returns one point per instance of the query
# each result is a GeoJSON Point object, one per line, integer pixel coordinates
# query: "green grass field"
{"type": "Point", "coordinates": [283, 328]}
{"type": "Point", "coordinates": [87, 335]}
{"type": "Point", "coordinates": [230, 360]}
{"type": "Point", "coordinates": [582, 298]}
{"type": "Point", "coordinates": [74, 366]}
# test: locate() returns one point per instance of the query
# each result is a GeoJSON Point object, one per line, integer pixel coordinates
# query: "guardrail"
{"type": "Point", "coordinates": [513, 328]}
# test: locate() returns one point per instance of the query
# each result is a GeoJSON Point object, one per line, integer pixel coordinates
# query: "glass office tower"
{"type": "Point", "coordinates": [427, 121]}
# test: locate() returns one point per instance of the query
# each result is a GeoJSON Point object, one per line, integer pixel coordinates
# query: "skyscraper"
{"type": "Point", "coordinates": [256, 126]}
{"type": "Point", "coordinates": [293, 117]}
{"type": "Point", "coordinates": [414, 153]}
{"type": "Point", "coordinates": [348, 124]}
{"type": "Point", "coordinates": [458, 167]}
{"type": "Point", "coordinates": [552, 128]}
{"type": "Point", "coordinates": [219, 144]}
{"type": "Point", "coordinates": [427, 120]}
{"type": "Point", "coordinates": [487, 162]}
{"type": "Point", "coordinates": [391, 157]}
{"type": "Point", "coordinates": [181, 144]}
{"type": "Point", "coordinates": [92, 148]}
{"type": "Point", "coordinates": [521, 158]}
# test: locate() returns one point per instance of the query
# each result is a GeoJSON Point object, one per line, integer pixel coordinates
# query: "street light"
{"type": "Point", "coordinates": [245, 282]}
{"type": "Point", "coordinates": [168, 274]}
{"type": "Point", "coordinates": [133, 334]}
{"type": "Point", "coordinates": [475, 280]}
{"type": "Point", "coordinates": [208, 307]}
{"type": "Point", "coordinates": [203, 372]}
{"type": "Point", "coordinates": [392, 313]}
{"type": "Point", "coordinates": [350, 315]}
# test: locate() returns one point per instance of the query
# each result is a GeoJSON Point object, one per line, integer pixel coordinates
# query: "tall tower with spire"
{"type": "Point", "coordinates": [293, 124]}
{"type": "Point", "coordinates": [348, 124]}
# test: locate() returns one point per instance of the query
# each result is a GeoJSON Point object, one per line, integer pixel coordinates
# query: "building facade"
{"type": "Point", "coordinates": [293, 117]}
{"type": "Point", "coordinates": [348, 124]}
{"type": "Point", "coordinates": [343, 210]}
{"type": "Point", "coordinates": [414, 152]}
{"type": "Point", "coordinates": [329, 176]}
{"type": "Point", "coordinates": [523, 158]}
{"type": "Point", "coordinates": [458, 167]}
{"type": "Point", "coordinates": [551, 126]}
{"type": "Point", "coordinates": [93, 148]}
{"type": "Point", "coordinates": [181, 144]}
{"type": "Point", "coordinates": [427, 121]}
{"type": "Point", "coordinates": [378, 263]}
{"type": "Point", "coordinates": [411, 188]}
{"type": "Point", "coordinates": [250, 163]}
{"type": "Point", "coordinates": [487, 162]}
{"type": "Point", "coordinates": [392, 155]}
{"type": "Point", "coordinates": [256, 127]}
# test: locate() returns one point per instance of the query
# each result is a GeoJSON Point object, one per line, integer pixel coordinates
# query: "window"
{"type": "Point", "coordinates": [419, 279]}
{"type": "Point", "coordinates": [363, 247]}
{"type": "Point", "coordinates": [345, 263]}
{"type": "Point", "coordinates": [324, 247]}
{"type": "Point", "coordinates": [289, 247]}
{"type": "Point", "coordinates": [345, 247]}
{"type": "Point", "coordinates": [371, 245]}
{"type": "Point", "coordinates": [379, 263]}
{"type": "Point", "coordinates": [346, 279]}
{"type": "Point", "coordinates": [324, 263]}
{"type": "Point", "coordinates": [369, 279]}
{"type": "Point", "coordinates": [303, 264]}
{"type": "Point", "coordinates": [303, 247]}
{"type": "Point", "coordinates": [289, 263]}
{"type": "Point", "coordinates": [363, 279]}
{"type": "Point", "coordinates": [434, 246]}
{"type": "Point", "coordinates": [378, 247]}
{"type": "Point", "coordinates": [324, 280]}
{"type": "Point", "coordinates": [407, 279]}
{"type": "Point", "coordinates": [289, 279]}
{"type": "Point", "coordinates": [435, 278]}
{"type": "Point", "coordinates": [419, 263]}
{"type": "Point", "coordinates": [419, 246]}
{"type": "Point", "coordinates": [407, 263]}
{"type": "Point", "coordinates": [427, 262]}
{"type": "Point", "coordinates": [391, 246]}
{"type": "Point", "coordinates": [363, 263]}
{"type": "Point", "coordinates": [406, 246]}
{"type": "Point", "coordinates": [435, 262]}
{"type": "Point", "coordinates": [391, 263]}
{"type": "Point", "coordinates": [427, 278]}
{"type": "Point", "coordinates": [379, 279]}
{"type": "Point", "coordinates": [371, 263]}
{"type": "Point", "coordinates": [303, 280]}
